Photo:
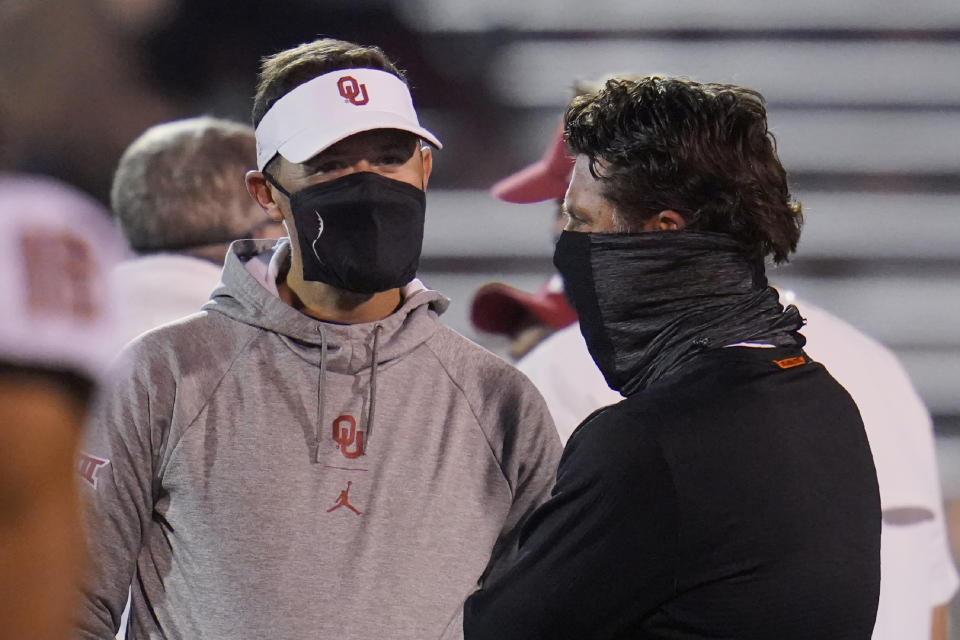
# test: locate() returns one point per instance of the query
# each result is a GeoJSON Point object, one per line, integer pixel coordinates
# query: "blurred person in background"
{"type": "Point", "coordinates": [315, 454]}
{"type": "Point", "coordinates": [918, 576]}
{"type": "Point", "coordinates": [529, 318]}
{"type": "Point", "coordinates": [733, 492]}
{"type": "Point", "coordinates": [179, 195]}
{"type": "Point", "coordinates": [57, 332]}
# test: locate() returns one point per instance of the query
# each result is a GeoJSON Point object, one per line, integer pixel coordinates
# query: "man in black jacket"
{"type": "Point", "coordinates": [732, 494]}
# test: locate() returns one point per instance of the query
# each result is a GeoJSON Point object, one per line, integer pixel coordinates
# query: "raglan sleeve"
{"type": "Point", "coordinates": [118, 484]}
{"type": "Point", "coordinates": [529, 454]}
{"type": "Point", "coordinates": [596, 558]}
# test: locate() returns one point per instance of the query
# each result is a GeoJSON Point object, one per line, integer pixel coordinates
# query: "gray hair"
{"type": "Point", "coordinates": [180, 185]}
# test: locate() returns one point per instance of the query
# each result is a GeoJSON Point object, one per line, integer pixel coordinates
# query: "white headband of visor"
{"type": "Point", "coordinates": [331, 107]}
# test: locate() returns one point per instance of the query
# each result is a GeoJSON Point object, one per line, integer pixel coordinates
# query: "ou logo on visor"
{"type": "Point", "coordinates": [353, 91]}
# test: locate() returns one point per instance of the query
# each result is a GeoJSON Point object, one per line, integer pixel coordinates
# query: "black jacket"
{"type": "Point", "coordinates": [736, 500]}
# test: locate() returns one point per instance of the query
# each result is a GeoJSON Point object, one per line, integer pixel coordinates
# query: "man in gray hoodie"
{"type": "Point", "coordinates": [314, 454]}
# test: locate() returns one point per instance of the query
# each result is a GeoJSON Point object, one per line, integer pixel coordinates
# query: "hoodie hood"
{"type": "Point", "coordinates": [248, 294]}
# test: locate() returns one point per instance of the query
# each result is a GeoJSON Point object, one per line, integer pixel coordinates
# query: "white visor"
{"type": "Point", "coordinates": [332, 107]}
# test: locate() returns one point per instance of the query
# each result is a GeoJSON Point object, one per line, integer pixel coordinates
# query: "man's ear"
{"type": "Point", "coordinates": [426, 153]}
{"type": "Point", "coordinates": [259, 189]}
{"type": "Point", "coordinates": [670, 220]}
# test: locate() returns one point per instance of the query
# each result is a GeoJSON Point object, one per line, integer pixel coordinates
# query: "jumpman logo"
{"type": "Point", "coordinates": [343, 500]}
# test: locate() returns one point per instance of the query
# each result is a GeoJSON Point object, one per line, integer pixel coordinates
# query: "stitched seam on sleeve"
{"type": "Point", "coordinates": [476, 418]}
{"type": "Point", "coordinates": [172, 450]}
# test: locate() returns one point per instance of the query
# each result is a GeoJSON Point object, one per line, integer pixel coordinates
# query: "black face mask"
{"type": "Point", "coordinates": [362, 232]}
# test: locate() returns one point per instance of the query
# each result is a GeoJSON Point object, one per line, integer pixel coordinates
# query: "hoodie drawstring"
{"type": "Point", "coordinates": [318, 430]}
{"type": "Point", "coordinates": [373, 379]}
{"type": "Point", "coordinates": [322, 376]}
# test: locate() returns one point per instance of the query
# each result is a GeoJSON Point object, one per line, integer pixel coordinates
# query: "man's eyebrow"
{"type": "Point", "coordinates": [386, 146]}
{"type": "Point", "coordinates": [323, 156]}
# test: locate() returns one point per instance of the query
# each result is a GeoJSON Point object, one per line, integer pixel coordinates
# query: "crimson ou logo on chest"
{"type": "Point", "coordinates": [352, 91]}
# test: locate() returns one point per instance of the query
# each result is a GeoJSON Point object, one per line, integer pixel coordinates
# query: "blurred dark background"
{"type": "Point", "coordinates": [81, 78]}
{"type": "Point", "coordinates": [864, 98]}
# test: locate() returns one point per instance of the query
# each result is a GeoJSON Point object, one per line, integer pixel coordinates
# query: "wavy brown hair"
{"type": "Point", "coordinates": [702, 150]}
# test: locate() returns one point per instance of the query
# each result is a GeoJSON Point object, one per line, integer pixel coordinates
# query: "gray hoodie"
{"type": "Point", "coordinates": [256, 473]}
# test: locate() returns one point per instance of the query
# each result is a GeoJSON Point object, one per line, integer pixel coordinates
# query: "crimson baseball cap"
{"type": "Point", "coordinates": [500, 308]}
{"type": "Point", "coordinates": [545, 179]}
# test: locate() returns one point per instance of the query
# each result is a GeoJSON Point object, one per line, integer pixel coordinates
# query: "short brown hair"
{"type": "Point", "coordinates": [702, 150]}
{"type": "Point", "coordinates": [283, 72]}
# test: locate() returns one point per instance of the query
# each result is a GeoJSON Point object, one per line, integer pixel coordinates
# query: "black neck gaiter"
{"type": "Point", "coordinates": [650, 302]}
